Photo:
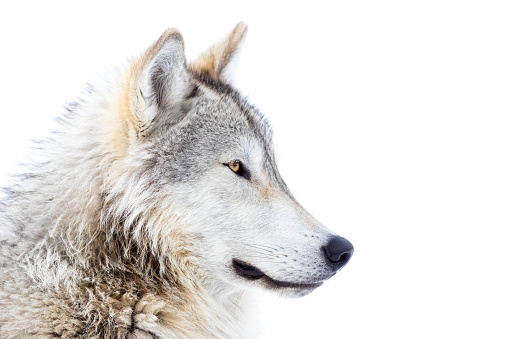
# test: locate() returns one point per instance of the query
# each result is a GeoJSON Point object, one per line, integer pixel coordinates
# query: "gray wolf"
{"type": "Point", "coordinates": [156, 210]}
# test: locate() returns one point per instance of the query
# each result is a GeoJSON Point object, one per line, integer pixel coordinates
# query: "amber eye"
{"type": "Point", "coordinates": [234, 166]}
{"type": "Point", "coordinates": [238, 168]}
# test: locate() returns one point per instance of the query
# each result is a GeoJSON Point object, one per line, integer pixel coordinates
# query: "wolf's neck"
{"type": "Point", "coordinates": [212, 317]}
{"type": "Point", "coordinates": [189, 309]}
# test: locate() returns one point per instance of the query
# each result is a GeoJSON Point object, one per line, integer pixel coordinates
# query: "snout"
{"type": "Point", "coordinates": [338, 252]}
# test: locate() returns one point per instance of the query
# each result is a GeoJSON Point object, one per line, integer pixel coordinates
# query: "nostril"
{"type": "Point", "coordinates": [338, 251]}
{"type": "Point", "coordinates": [344, 257]}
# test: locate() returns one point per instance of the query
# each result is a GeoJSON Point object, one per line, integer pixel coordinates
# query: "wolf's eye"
{"type": "Point", "coordinates": [234, 166]}
{"type": "Point", "coordinates": [237, 167]}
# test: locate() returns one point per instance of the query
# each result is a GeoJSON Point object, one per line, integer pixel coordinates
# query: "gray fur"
{"type": "Point", "coordinates": [127, 226]}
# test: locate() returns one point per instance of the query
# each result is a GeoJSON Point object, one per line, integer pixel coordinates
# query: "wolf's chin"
{"type": "Point", "coordinates": [287, 288]}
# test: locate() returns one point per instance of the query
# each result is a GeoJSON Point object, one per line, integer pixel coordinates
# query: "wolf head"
{"type": "Point", "coordinates": [202, 168]}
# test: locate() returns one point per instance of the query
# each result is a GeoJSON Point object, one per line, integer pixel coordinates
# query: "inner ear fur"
{"type": "Point", "coordinates": [214, 60]}
{"type": "Point", "coordinates": [158, 83]}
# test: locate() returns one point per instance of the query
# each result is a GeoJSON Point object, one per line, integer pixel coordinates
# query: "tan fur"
{"type": "Point", "coordinates": [126, 124]}
{"type": "Point", "coordinates": [213, 61]}
{"type": "Point", "coordinates": [268, 191]}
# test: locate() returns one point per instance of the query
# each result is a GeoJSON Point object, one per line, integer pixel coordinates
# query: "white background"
{"type": "Point", "coordinates": [391, 119]}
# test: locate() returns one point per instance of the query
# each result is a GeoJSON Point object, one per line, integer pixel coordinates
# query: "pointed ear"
{"type": "Point", "coordinates": [213, 61]}
{"type": "Point", "coordinates": [159, 84]}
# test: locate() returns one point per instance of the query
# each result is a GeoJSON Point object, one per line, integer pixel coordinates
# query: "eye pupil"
{"type": "Point", "coordinates": [234, 166]}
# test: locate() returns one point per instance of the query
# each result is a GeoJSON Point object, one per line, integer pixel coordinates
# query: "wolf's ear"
{"type": "Point", "coordinates": [159, 84]}
{"type": "Point", "coordinates": [213, 61]}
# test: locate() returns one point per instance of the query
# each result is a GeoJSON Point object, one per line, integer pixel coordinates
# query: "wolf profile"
{"type": "Point", "coordinates": [155, 210]}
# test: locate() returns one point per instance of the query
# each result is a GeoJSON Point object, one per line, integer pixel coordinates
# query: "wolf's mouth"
{"type": "Point", "coordinates": [250, 272]}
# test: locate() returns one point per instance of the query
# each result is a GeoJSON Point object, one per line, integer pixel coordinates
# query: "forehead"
{"type": "Point", "coordinates": [221, 112]}
{"type": "Point", "coordinates": [219, 119]}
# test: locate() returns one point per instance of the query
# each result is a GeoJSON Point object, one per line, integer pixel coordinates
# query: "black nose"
{"type": "Point", "coordinates": [338, 252]}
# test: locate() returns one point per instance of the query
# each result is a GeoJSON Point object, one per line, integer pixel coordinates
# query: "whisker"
{"type": "Point", "coordinates": [266, 247]}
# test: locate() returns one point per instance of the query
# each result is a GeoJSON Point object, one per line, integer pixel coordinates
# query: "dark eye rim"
{"type": "Point", "coordinates": [242, 171]}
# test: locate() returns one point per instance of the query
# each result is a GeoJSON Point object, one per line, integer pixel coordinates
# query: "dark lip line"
{"type": "Point", "coordinates": [270, 281]}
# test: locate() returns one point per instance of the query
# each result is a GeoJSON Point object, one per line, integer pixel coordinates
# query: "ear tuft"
{"type": "Point", "coordinates": [213, 61]}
